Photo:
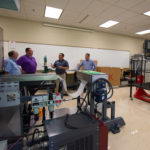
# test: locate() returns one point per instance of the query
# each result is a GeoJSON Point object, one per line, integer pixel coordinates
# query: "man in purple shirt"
{"type": "Point", "coordinates": [27, 62]}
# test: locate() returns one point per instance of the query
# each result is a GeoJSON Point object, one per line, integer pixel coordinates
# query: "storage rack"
{"type": "Point", "coordinates": [138, 64]}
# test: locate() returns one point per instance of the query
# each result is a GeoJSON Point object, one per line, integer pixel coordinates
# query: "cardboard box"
{"type": "Point", "coordinates": [81, 68]}
{"type": "Point", "coordinates": [113, 74]}
{"type": "Point", "coordinates": [98, 69]}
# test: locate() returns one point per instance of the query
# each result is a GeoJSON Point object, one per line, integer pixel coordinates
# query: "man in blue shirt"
{"type": "Point", "coordinates": [10, 65]}
{"type": "Point", "coordinates": [87, 63]}
{"type": "Point", "coordinates": [61, 66]}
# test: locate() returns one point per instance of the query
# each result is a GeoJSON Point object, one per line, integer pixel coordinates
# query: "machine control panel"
{"type": "Point", "coordinates": [9, 94]}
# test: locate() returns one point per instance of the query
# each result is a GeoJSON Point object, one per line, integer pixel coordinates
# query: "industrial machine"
{"type": "Point", "coordinates": [46, 69]}
{"type": "Point", "coordinates": [1, 50]}
{"type": "Point", "coordinates": [99, 91]}
{"type": "Point", "coordinates": [10, 109]}
{"type": "Point", "coordinates": [87, 128]}
{"type": "Point", "coordinates": [15, 113]}
{"type": "Point", "coordinates": [146, 47]}
{"type": "Point", "coordinates": [73, 132]}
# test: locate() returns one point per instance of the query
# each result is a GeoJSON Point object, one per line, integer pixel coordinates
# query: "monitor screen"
{"type": "Point", "coordinates": [148, 45]}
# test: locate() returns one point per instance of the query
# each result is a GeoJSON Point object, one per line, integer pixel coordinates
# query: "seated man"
{"type": "Point", "coordinates": [10, 65]}
{"type": "Point", "coordinates": [87, 63]}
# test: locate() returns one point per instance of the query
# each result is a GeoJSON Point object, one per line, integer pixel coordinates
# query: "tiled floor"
{"type": "Point", "coordinates": [135, 135]}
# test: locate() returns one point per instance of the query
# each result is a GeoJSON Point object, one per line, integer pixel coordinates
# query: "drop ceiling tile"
{"type": "Point", "coordinates": [33, 2]}
{"type": "Point", "coordinates": [91, 13]}
{"type": "Point", "coordinates": [77, 5]}
{"type": "Point", "coordinates": [112, 12]}
{"type": "Point", "coordinates": [125, 15]}
{"type": "Point", "coordinates": [88, 20]}
{"type": "Point", "coordinates": [122, 27]}
{"type": "Point", "coordinates": [146, 36]}
{"type": "Point", "coordinates": [96, 7]}
{"type": "Point", "coordinates": [133, 29]}
{"type": "Point", "coordinates": [69, 15]}
{"type": "Point", "coordinates": [127, 3]}
{"type": "Point", "coordinates": [92, 21]}
{"type": "Point", "coordinates": [57, 3]}
{"type": "Point", "coordinates": [43, 19]}
{"type": "Point", "coordinates": [142, 7]}
{"type": "Point", "coordinates": [34, 11]}
{"type": "Point", "coordinates": [81, 17]}
{"type": "Point", "coordinates": [139, 21]}
{"type": "Point", "coordinates": [97, 21]}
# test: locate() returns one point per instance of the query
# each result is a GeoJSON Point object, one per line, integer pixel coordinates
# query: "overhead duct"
{"type": "Point", "coordinates": [10, 4]}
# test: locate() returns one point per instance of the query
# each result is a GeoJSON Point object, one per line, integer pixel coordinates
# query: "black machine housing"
{"type": "Point", "coordinates": [74, 132]}
{"type": "Point", "coordinates": [146, 47]}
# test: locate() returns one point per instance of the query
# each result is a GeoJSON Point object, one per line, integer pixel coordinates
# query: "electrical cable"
{"type": "Point", "coordinates": [15, 143]}
{"type": "Point", "coordinates": [36, 130]}
{"type": "Point", "coordinates": [84, 100]}
{"type": "Point", "coordinates": [109, 87]}
{"type": "Point", "coordinates": [67, 124]}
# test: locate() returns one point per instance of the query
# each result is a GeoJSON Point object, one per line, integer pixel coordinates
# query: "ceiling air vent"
{"type": "Point", "coordinates": [10, 4]}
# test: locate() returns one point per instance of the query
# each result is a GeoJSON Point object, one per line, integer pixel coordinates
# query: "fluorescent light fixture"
{"type": "Point", "coordinates": [108, 24]}
{"type": "Point", "coordinates": [147, 13]}
{"type": "Point", "coordinates": [52, 12]}
{"type": "Point", "coordinates": [143, 32]}
{"type": "Point", "coordinates": [66, 27]}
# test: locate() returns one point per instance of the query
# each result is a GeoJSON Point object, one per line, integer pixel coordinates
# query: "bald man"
{"type": "Point", "coordinates": [10, 65]}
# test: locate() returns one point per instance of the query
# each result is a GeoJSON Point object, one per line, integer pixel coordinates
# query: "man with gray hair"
{"type": "Point", "coordinates": [10, 65]}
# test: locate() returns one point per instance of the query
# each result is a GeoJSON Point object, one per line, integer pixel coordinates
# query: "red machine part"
{"type": "Point", "coordinates": [103, 135]}
{"type": "Point", "coordinates": [140, 92]}
{"type": "Point", "coordinates": [58, 101]}
{"type": "Point", "coordinates": [140, 79]}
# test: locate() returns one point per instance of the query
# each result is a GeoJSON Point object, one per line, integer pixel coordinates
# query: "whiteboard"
{"type": "Point", "coordinates": [106, 58]}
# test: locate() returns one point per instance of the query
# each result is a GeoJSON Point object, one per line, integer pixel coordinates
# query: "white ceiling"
{"type": "Point", "coordinates": [89, 14]}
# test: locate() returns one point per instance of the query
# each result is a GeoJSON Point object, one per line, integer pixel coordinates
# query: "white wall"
{"type": "Point", "coordinates": [108, 58]}
{"type": "Point", "coordinates": [33, 32]}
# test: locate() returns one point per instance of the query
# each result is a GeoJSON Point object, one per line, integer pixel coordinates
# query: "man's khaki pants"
{"type": "Point", "coordinates": [57, 82]}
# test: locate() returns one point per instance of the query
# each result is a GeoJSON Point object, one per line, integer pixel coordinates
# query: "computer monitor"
{"type": "Point", "coordinates": [147, 48]}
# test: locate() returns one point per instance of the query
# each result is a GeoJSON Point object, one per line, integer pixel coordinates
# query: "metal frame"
{"type": "Point", "coordinates": [144, 85]}
{"type": "Point", "coordinates": [90, 78]}
{"type": "Point", "coordinates": [112, 123]}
